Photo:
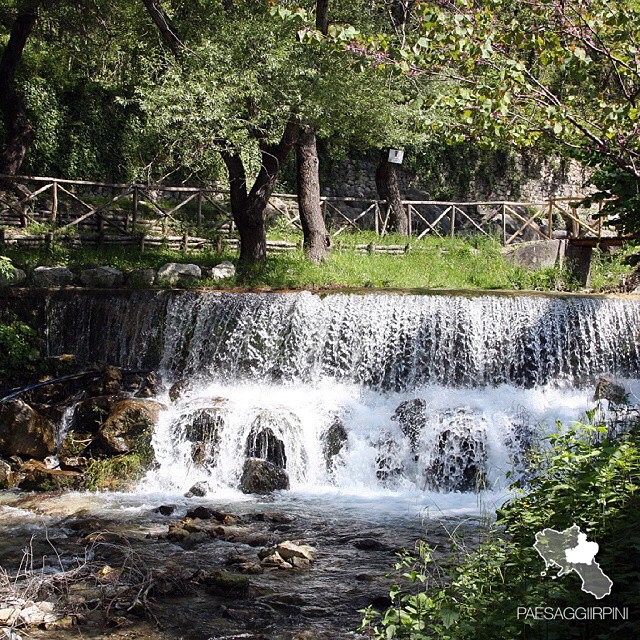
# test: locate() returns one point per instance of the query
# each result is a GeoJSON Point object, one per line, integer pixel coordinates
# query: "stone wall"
{"type": "Point", "coordinates": [522, 177]}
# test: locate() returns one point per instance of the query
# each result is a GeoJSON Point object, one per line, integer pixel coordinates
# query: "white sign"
{"type": "Point", "coordinates": [396, 156]}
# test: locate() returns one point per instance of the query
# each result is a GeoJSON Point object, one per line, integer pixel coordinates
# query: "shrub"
{"type": "Point", "coordinates": [585, 477]}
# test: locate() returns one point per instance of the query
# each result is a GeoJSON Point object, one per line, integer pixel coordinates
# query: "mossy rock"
{"type": "Point", "coordinates": [129, 426]}
{"type": "Point", "coordinates": [120, 473]}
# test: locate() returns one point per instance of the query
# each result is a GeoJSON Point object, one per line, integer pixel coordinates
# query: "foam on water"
{"type": "Point", "coordinates": [304, 414]}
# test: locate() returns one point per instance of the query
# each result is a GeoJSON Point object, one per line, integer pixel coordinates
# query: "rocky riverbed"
{"type": "Point", "coordinates": [121, 565]}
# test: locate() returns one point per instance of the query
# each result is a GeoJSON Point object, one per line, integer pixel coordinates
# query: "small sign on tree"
{"type": "Point", "coordinates": [396, 156]}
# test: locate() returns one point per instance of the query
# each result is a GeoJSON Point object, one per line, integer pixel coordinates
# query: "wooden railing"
{"type": "Point", "coordinates": [131, 212]}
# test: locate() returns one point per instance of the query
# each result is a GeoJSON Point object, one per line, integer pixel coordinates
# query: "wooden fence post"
{"type": "Point", "coordinates": [550, 220]}
{"type": "Point", "coordinates": [54, 202]}
{"type": "Point", "coordinates": [504, 224]}
{"type": "Point", "coordinates": [134, 206]}
{"type": "Point", "coordinates": [142, 239]}
{"type": "Point", "coordinates": [453, 222]}
{"type": "Point", "coordinates": [199, 204]}
{"type": "Point", "coordinates": [185, 241]}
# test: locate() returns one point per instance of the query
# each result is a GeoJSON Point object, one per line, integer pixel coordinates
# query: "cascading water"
{"type": "Point", "coordinates": [363, 393]}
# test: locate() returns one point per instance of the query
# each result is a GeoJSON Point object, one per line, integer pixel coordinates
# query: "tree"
{"type": "Point", "coordinates": [19, 133]}
{"type": "Point", "coordinates": [316, 239]}
{"type": "Point", "coordinates": [249, 77]}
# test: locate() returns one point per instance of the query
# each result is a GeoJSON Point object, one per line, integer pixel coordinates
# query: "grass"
{"type": "Point", "coordinates": [449, 263]}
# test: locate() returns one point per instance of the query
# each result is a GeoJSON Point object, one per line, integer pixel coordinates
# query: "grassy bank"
{"type": "Point", "coordinates": [474, 263]}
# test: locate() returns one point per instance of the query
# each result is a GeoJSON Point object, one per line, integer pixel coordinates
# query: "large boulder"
{"type": "Point", "coordinates": [24, 431]}
{"type": "Point", "coordinates": [129, 426]}
{"type": "Point", "coordinates": [52, 277]}
{"type": "Point", "coordinates": [223, 271]}
{"type": "Point", "coordinates": [389, 463]}
{"type": "Point", "coordinates": [261, 476]}
{"type": "Point", "coordinates": [458, 460]}
{"type": "Point", "coordinates": [102, 278]}
{"type": "Point", "coordinates": [612, 391]}
{"type": "Point", "coordinates": [263, 443]}
{"type": "Point", "coordinates": [333, 441]}
{"type": "Point", "coordinates": [90, 414]}
{"type": "Point", "coordinates": [14, 277]}
{"type": "Point", "coordinates": [202, 428]}
{"type": "Point", "coordinates": [141, 278]}
{"type": "Point", "coordinates": [540, 254]}
{"type": "Point", "coordinates": [38, 477]}
{"type": "Point", "coordinates": [411, 416]}
{"type": "Point", "coordinates": [174, 273]}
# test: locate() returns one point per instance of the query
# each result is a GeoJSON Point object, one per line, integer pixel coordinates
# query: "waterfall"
{"type": "Point", "coordinates": [360, 392]}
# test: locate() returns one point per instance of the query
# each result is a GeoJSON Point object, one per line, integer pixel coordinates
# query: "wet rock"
{"type": "Point", "coordinates": [459, 457]}
{"type": "Point", "coordinates": [175, 273]}
{"type": "Point", "coordinates": [369, 544]}
{"type": "Point", "coordinates": [201, 513]}
{"type": "Point", "coordinates": [263, 444]}
{"type": "Point", "coordinates": [151, 386]}
{"type": "Point", "coordinates": [52, 277]}
{"type": "Point", "coordinates": [75, 463]}
{"type": "Point", "coordinates": [7, 477]}
{"type": "Point", "coordinates": [111, 380]}
{"type": "Point", "coordinates": [178, 389]}
{"type": "Point", "coordinates": [90, 414]}
{"type": "Point", "coordinates": [62, 365]}
{"type": "Point", "coordinates": [222, 271]}
{"type": "Point", "coordinates": [202, 428]}
{"type": "Point", "coordinates": [250, 568]}
{"type": "Point", "coordinates": [225, 583]}
{"type": "Point", "coordinates": [24, 431]}
{"type": "Point", "coordinates": [16, 277]}
{"type": "Point", "coordinates": [165, 509]}
{"type": "Point", "coordinates": [129, 426]}
{"type": "Point", "coordinates": [612, 391]}
{"type": "Point", "coordinates": [198, 490]}
{"type": "Point", "coordinates": [411, 417]}
{"type": "Point", "coordinates": [102, 278]}
{"type": "Point", "coordinates": [38, 478]}
{"type": "Point", "coordinates": [261, 476]}
{"type": "Point", "coordinates": [388, 461]}
{"type": "Point", "coordinates": [289, 550]}
{"type": "Point", "coordinates": [276, 560]}
{"type": "Point", "coordinates": [333, 441]}
{"type": "Point", "coordinates": [141, 278]}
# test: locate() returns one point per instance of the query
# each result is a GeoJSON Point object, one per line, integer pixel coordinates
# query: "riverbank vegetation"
{"type": "Point", "coordinates": [588, 476]}
{"type": "Point", "coordinates": [432, 263]}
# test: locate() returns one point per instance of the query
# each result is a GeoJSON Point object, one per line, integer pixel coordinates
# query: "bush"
{"type": "Point", "coordinates": [585, 477]}
{"type": "Point", "coordinates": [19, 350]}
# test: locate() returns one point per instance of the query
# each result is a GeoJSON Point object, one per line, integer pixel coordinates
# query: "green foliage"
{"type": "Point", "coordinates": [119, 473]}
{"type": "Point", "coordinates": [431, 263]}
{"type": "Point", "coordinates": [6, 267]}
{"type": "Point", "coordinates": [19, 349]}
{"type": "Point", "coordinates": [584, 477]}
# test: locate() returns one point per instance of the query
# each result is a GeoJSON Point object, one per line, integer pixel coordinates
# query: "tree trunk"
{"type": "Point", "coordinates": [167, 31]}
{"type": "Point", "coordinates": [19, 133]}
{"type": "Point", "coordinates": [249, 209]}
{"type": "Point", "coordinates": [389, 190]}
{"type": "Point", "coordinates": [322, 16]}
{"type": "Point", "coordinates": [316, 238]}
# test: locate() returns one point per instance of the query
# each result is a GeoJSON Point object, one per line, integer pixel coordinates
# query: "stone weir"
{"type": "Point", "coordinates": [379, 340]}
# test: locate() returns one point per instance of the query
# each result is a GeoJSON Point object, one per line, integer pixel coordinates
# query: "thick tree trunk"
{"type": "Point", "coordinates": [19, 133]}
{"type": "Point", "coordinates": [249, 209]}
{"type": "Point", "coordinates": [316, 239]}
{"type": "Point", "coordinates": [389, 190]}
